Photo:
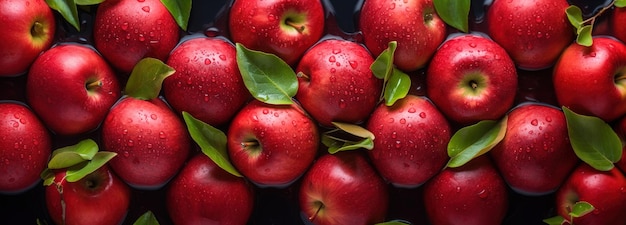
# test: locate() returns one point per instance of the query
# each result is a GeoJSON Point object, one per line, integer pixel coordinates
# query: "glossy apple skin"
{"type": "Point", "coordinates": [592, 80]}
{"type": "Point", "coordinates": [126, 31]}
{"type": "Point", "coordinates": [411, 141]}
{"type": "Point", "coordinates": [100, 198]}
{"type": "Point", "coordinates": [473, 194]}
{"type": "Point", "coordinates": [207, 83]}
{"type": "Point", "coordinates": [56, 89]}
{"type": "Point", "coordinates": [348, 186]}
{"type": "Point", "coordinates": [534, 33]}
{"type": "Point", "coordinates": [535, 156]}
{"type": "Point", "coordinates": [617, 23]}
{"type": "Point", "coordinates": [203, 193]}
{"type": "Point", "coordinates": [414, 24]}
{"type": "Point", "coordinates": [151, 141]}
{"type": "Point", "coordinates": [340, 86]}
{"type": "Point", "coordinates": [19, 47]}
{"type": "Point", "coordinates": [260, 25]}
{"type": "Point", "coordinates": [287, 138]}
{"type": "Point", "coordinates": [480, 60]}
{"type": "Point", "coordinates": [24, 148]}
{"type": "Point", "coordinates": [603, 190]}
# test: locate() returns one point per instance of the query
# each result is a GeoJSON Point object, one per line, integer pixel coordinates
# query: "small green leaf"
{"type": "Point", "coordinates": [472, 141]}
{"type": "Point", "coordinates": [147, 77]}
{"type": "Point", "coordinates": [575, 16]}
{"type": "Point", "coordinates": [354, 130]}
{"type": "Point", "coordinates": [268, 78]}
{"type": "Point", "coordinates": [394, 222]}
{"type": "Point", "coordinates": [76, 173]}
{"type": "Point", "coordinates": [65, 160]}
{"type": "Point", "coordinates": [593, 140]}
{"type": "Point", "coordinates": [88, 2]}
{"type": "Point", "coordinates": [383, 65]}
{"type": "Point", "coordinates": [147, 218]}
{"type": "Point", "coordinates": [397, 87]}
{"type": "Point", "coordinates": [337, 145]}
{"type": "Point", "coordinates": [180, 10]}
{"type": "Point", "coordinates": [454, 12]}
{"type": "Point", "coordinates": [352, 137]}
{"type": "Point", "coordinates": [584, 37]}
{"type": "Point", "coordinates": [557, 220]}
{"type": "Point", "coordinates": [212, 142]}
{"type": "Point", "coordinates": [620, 3]}
{"type": "Point", "coordinates": [580, 209]}
{"type": "Point", "coordinates": [71, 155]}
{"type": "Point", "coordinates": [67, 9]}
{"type": "Point", "coordinates": [47, 176]}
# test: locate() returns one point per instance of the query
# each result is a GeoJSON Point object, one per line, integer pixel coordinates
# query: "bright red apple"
{"type": "Point", "coordinates": [620, 129]}
{"type": "Point", "coordinates": [534, 33]}
{"type": "Point", "coordinates": [28, 29]}
{"type": "Point", "coordinates": [601, 70]}
{"type": "Point", "coordinates": [617, 23]}
{"type": "Point", "coordinates": [471, 78]}
{"type": "Point", "coordinates": [71, 87]}
{"type": "Point", "coordinates": [286, 28]}
{"type": "Point", "coordinates": [414, 24]}
{"type": "Point", "coordinates": [336, 83]}
{"type": "Point", "coordinates": [411, 141]}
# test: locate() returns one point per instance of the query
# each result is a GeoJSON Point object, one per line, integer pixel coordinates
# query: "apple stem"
{"type": "Point", "coordinates": [37, 29]}
{"type": "Point", "coordinates": [303, 75]}
{"type": "Point", "coordinates": [299, 28]}
{"type": "Point", "coordinates": [248, 144]}
{"type": "Point", "coordinates": [473, 84]}
{"type": "Point", "coordinates": [94, 85]}
{"type": "Point", "coordinates": [319, 208]}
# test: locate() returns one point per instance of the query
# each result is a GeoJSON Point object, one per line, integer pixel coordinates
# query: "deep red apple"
{"type": "Point", "coordinates": [100, 198]}
{"type": "Point", "coordinates": [272, 145]}
{"type": "Point", "coordinates": [336, 83]}
{"type": "Point", "coordinates": [534, 33]}
{"type": "Point", "coordinates": [286, 28]}
{"type": "Point", "coordinates": [617, 23]}
{"type": "Point", "coordinates": [620, 129]}
{"type": "Point", "coordinates": [601, 70]}
{"type": "Point", "coordinates": [471, 78]}
{"type": "Point", "coordinates": [126, 31]}
{"type": "Point", "coordinates": [25, 147]}
{"type": "Point", "coordinates": [203, 193]}
{"type": "Point", "coordinates": [415, 25]}
{"type": "Point", "coordinates": [605, 191]}
{"type": "Point", "coordinates": [151, 141]}
{"type": "Point", "coordinates": [535, 156]}
{"type": "Point", "coordinates": [27, 30]}
{"type": "Point", "coordinates": [474, 193]}
{"type": "Point", "coordinates": [411, 141]}
{"type": "Point", "coordinates": [207, 83]}
{"type": "Point", "coordinates": [343, 188]}
{"type": "Point", "coordinates": [71, 87]}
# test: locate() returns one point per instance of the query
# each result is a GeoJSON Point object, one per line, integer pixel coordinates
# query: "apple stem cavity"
{"type": "Point", "coordinates": [291, 23]}
{"type": "Point", "coordinates": [320, 206]}
{"type": "Point", "coordinates": [37, 29]}
{"type": "Point", "coordinates": [94, 85]}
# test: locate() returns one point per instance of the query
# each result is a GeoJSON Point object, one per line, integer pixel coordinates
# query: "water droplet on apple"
{"type": "Point", "coordinates": [266, 111]}
{"type": "Point", "coordinates": [412, 110]}
{"type": "Point", "coordinates": [141, 38]}
{"type": "Point", "coordinates": [125, 154]}
{"type": "Point", "coordinates": [141, 0]}
{"type": "Point", "coordinates": [392, 6]}
{"type": "Point", "coordinates": [483, 194]}
{"type": "Point", "coordinates": [592, 54]}
{"type": "Point", "coordinates": [342, 103]}
{"type": "Point", "coordinates": [336, 51]}
{"type": "Point", "coordinates": [472, 44]}
{"type": "Point", "coordinates": [423, 115]}
{"type": "Point", "coordinates": [162, 135]}
{"type": "Point", "coordinates": [390, 120]}
{"type": "Point", "coordinates": [402, 121]}
{"type": "Point", "coordinates": [130, 143]}
{"type": "Point", "coordinates": [146, 8]}
{"type": "Point", "coordinates": [333, 70]}
{"type": "Point", "coordinates": [207, 61]}
{"type": "Point", "coordinates": [332, 59]}
{"type": "Point", "coordinates": [153, 116]}
{"type": "Point", "coordinates": [354, 64]}
{"type": "Point", "coordinates": [534, 122]}
{"type": "Point", "coordinates": [124, 26]}
{"type": "Point", "coordinates": [458, 189]}
{"type": "Point", "coordinates": [394, 135]}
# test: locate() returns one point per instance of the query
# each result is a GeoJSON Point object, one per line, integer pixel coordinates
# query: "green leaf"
{"type": "Point", "coordinates": [347, 137]}
{"type": "Point", "coordinates": [337, 145]}
{"type": "Point", "coordinates": [88, 2]}
{"type": "Point", "coordinates": [620, 3]}
{"type": "Point", "coordinates": [268, 78]}
{"type": "Point", "coordinates": [147, 77]}
{"type": "Point", "coordinates": [584, 37]}
{"type": "Point", "coordinates": [147, 218]}
{"type": "Point", "coordinates": [454, 12]}
{"type": "Point", "coordinates": [383, 65]}
{"type": "Point", "coordinates": [557, 220]}
{"type": "Point", "coordinates": [580, 209]}
{"type": "Point", "coordinates": [71, 155]}
{"type": "Point", "coordinates": [354, 130]}
{"type": "Point", "coordinates": [575, 16]}
{"type": "Point", "coordinates": [76, 173]}
{"type": "Point", "coordinates": [593, 140]}
{"type": "Point", "coordinates": [397, 87]}
{"type": "Point", "coordinates": [67, 9]}
{"type": "Point", "coordinates": [47, 176]}
{"type": "Point", "coordinates": [394, 222]}
{"type": "Point", "coordinates": [212, 142]}
{"type": "Point", "coordinates": [472, 141]}
{"type": "Point", "coordinates": [180, 10]}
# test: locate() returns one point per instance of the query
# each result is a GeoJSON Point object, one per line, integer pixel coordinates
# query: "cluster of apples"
{"type": "Point", "coordinates": [100, 100]}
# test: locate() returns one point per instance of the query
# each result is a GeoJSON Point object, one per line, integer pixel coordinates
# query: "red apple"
{"type": "Point", "coordinates": [27, 30]}
{"type": "Point", "coordinates": [71, 87]}
{"type": "Point", "coordinates": [471, 78]}
{"type": "Point", "coordinates": [286, 28]}
{"type": "Point", "coordinates": [620, 129]}
{"type": "Point", "coordinates": [336, 83]}
{"type": "Point", "coordinates": [203, 193]}
{"type": "Point", "coordinates": [617, 23]}
{"type": "Point", "coordinates": [474, 193]}
{"type": "Point", "coordinates": [272, 145]}
{"type": "Point", "coordinates": [151, 141]}
{"type": "Point", "coordinates": [343, 188]}
{"type": "Point", "coordinates": [601, 70]}
{"type": "Point", "coordinates": [126, 31]}
{"type": "Point", "coordinates": [207, 83]}
{"type": "Point", "coordinates": [605, 191]}
{"type": "Point", "coordinates": [100, 198]}
{"type": "Point", "coordinates": [411, 141]}
{"type": "Point", "coordinates": [535, 156]}
{"type": "Point", "coordinates": [25, 147]}
{"type": "Point", "coordinates": [415, 25]}
{"type": "Point", "coordinates": [534, 33]}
